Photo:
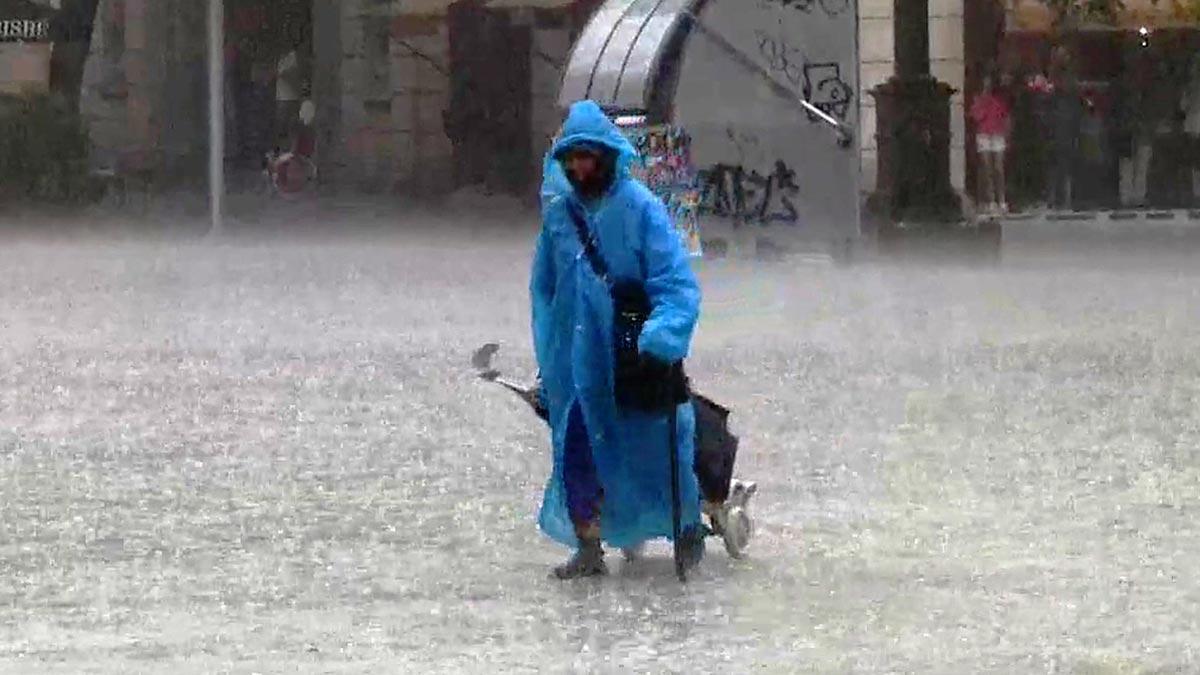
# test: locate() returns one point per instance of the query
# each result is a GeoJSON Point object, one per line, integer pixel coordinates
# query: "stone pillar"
{"type": "Point", "coordinates": [551, 49]}
{"type": "Point", "coordinates": [344, 160]}
{"type": "Point", "coordinates": [140, 75]}
{"type": "Point", "coordinates": [181, 107]}
{"type": "Point", "coordinates": [327, 89]}
{"type": "Point", "coordinates": [911, 21]}
{"type": "Point", "coordinates": [391, 89]}
{"type": "Point", "coordinates": [913, 129]}
{"type": "Point", "coordinates": [375, 93]}
{"type": "Point", "coordinates": [947, 63]}
{"type": "Point", "coordinates": [876, 64]}
{"type": "Point", "coordinates": [144, 89]}
{"type": "Point", "coordinates": [421, 75]}
{"type": "Point", "coordinates": [102, 101]}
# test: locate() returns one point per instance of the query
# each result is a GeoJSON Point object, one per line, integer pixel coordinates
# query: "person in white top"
{"type": "Point", "coordinates": [287, 95]}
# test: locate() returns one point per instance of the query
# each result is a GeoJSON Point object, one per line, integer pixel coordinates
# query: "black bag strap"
{"type": "Point", "coordinates": [588, 241]}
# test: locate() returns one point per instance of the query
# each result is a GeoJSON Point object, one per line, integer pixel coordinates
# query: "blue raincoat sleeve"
{"type": "Point", "coordinates": [541, 291]}
{"type": "Point", "coordinates": [672, 287]}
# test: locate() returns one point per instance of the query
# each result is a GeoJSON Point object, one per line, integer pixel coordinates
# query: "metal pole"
{"type": "Point", "coordinates": [216, 111]}
{"type": "Point", "coordinates": [676, 506]}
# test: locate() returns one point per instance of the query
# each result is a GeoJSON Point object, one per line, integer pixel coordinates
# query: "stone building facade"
{"type": "Point", "coordinates": [387, 77]}
{"type": "Point", "coordinates": [145, 84]}
{"type": "Point", "coordinates": [392, 77]}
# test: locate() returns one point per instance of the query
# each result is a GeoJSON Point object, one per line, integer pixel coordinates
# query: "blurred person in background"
{"type": "Point", "coordinates": [1066, 115]}
{"type": "Point", "coordinates": [1191, 125]}
{"type": "Point", "coordinates": [1163, 117]}
{"type": "Point", "coordinates": [1028, 139]}
{"type": "Point", "coordinates": [991, 114]}
{"type": "Point", "coordinates": [288, 92]}
{"type": "Point", "coordinates": [1094, 179]}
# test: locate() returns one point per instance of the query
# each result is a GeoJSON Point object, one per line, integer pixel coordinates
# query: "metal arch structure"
{"type": "Point", "coordinates": [617, 57]}
{"type": "Point", "coordinates": [767, 89]}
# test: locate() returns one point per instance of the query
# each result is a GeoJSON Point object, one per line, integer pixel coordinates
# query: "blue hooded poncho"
{"type": "Point", "coordinates": [572, 334]}
{"type": "Point", "coordinates": [554, 182]}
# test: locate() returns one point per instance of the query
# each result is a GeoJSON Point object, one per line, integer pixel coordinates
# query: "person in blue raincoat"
{"type": "Point", "coordinates": [611, 474]}
{"type": "Point", "coordinates": [554, 178]}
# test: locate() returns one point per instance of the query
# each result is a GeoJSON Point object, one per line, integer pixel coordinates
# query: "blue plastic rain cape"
{"type": "Point", "coordinates": [554, 183]}
{"type": "Point", "coordinates": [573, 334]}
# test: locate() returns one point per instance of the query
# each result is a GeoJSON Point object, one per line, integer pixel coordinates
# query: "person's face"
{"type": "Point", "coordinates": [583, 166]}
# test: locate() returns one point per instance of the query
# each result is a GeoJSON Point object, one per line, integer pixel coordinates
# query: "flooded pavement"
{"type": "Point", "coordinates": [265, 457]}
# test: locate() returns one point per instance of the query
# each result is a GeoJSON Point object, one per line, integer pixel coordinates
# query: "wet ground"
{"type": "Point", "coordinates": [267, 457]}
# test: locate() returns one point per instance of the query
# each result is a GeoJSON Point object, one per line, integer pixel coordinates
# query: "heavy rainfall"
{"type": "Point", "coordinates": [265, 266]}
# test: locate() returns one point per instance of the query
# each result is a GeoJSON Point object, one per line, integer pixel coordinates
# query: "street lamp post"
{"type": "Point", "coordinates": [216, 112]}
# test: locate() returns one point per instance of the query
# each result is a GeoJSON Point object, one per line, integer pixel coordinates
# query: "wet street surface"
{"type": "Point", "coordinates": [274, 457]}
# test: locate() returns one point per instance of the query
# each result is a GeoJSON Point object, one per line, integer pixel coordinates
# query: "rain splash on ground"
{"type": "Point", "coordinates": [271, 457]}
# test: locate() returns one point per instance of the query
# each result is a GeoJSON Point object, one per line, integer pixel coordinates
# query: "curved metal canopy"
{"type": "Point", "coordinates": [617, 57]}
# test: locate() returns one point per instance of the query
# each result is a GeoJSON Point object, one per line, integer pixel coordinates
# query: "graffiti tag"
{"type": "Point", "coordinates": [781, 57]}
{"type": "Point", "coordinates": [750, 196]}
{"type": "Point", "coordinates": [825, 88]}
{"type": "Point", "coordinates": [820, 83]}
{"type": "Point", "coordinates": [831, 8]}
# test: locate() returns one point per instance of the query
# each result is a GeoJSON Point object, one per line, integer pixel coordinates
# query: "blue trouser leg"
{"type": "Point", "coordinates": [579, 472]}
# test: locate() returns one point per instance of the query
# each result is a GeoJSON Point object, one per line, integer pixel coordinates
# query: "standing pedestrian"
{"type": "Point", "coordinates": [610, 397]}
{"type": "Point", "coordinates": [990, 113]}
{"type": "Point", "coordinates": [1066, 116]}
{"type": "Point", "coordinates": [287, 97]}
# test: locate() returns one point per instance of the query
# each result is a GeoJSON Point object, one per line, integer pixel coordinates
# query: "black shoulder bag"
{"type": "Point", "coordinates": [643, 384]}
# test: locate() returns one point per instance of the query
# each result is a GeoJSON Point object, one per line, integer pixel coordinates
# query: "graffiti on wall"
{"type": "Point", "coordinates": [825, 88]}
{"type": "Point", "coordinates": [764, 169]}
{"type": "Point", "coordinates": [750, 196]}
{"type": "Point", "coordinates": [830, 8]}
{"type": "Point", "coordinates": [754, 176]}
{"type": "Point", "coordinates": [665, 166]}
{"type": "Point", "coordinates": [820, 83]}
{"type": "Point", "coordinates": [782, 57]}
